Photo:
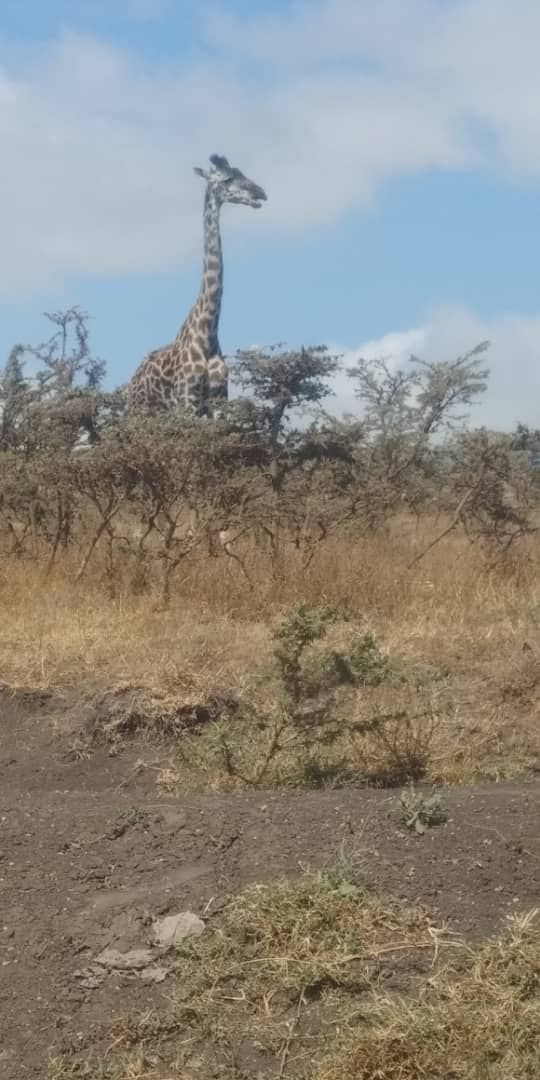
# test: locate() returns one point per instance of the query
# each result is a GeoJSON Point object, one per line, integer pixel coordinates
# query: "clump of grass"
{"type": "Point", "coordinates": [140, 1067]}
{"type": "Point", "coordinates": [289, 981]}
{"type": "Point", "coordinates": [323, 930]}
{"type": "Point", "coordinates": [392, 739]}
{"type": "Point", "coordinates": [483, 1024]}
{"type": "Point", "coordinates": [252, 990]}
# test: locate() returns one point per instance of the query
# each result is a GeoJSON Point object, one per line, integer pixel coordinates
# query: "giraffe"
{"type": "Point", "coordinates": [190, 371]}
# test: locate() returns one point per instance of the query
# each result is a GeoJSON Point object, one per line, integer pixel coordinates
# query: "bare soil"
{"type": "Point", "coordinates": [89, 854]}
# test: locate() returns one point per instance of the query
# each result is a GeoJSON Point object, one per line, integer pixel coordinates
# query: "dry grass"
{"type": "Point", "coordinates": [485, 1024]}
{"type": "Point", "coordinates": [293, 980]}
{"type": "Point", "coordinates": [323, 931]}
{"type": "Point", "coordinates": [55, 634]}
{"type": "Point", "coordinates": [459, 629]}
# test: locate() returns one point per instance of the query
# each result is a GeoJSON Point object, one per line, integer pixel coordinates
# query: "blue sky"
{"type": "Point", "coordinates": [399, 144]}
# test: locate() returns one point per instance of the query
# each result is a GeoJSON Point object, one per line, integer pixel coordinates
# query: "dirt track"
{"type": "Point", "coordinates": [89, 853]}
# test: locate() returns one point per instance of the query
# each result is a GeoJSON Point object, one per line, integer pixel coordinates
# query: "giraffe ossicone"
{"type": "Point", "coordinates": [190, 372]}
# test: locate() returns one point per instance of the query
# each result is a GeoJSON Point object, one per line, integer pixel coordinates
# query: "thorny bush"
{"type": "Point", "coordinates": [310, 720]}
{"type": "Point", "coordinates": [138, 496]}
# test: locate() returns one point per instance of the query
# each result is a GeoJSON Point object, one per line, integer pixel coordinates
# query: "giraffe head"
{"type": "Point", "coordinates": [230, 185]}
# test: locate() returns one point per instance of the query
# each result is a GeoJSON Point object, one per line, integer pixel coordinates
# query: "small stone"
{"type": "Point", "coordinates": [176, 928]}
{"type": "Point", "coordinates": [154, 974]}
{"type": "Point", "coordinates": [90, 978]}
{"type": "Point", "coordinates": [174, 818]}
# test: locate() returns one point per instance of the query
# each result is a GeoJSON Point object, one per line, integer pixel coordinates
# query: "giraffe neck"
{"type": "Point", "coordinates": [212, 282]}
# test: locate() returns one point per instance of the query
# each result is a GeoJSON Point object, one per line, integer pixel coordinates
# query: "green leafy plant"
{"type": "Point", "coordinates": [362, 664]}
{"type": "Point", "coordinates": [295, 633]}
{"type": "Point", "coordinates": [421, 812]}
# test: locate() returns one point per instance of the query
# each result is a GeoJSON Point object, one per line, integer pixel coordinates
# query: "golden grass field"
{"type": "Point", "coordinates": [467, 637]}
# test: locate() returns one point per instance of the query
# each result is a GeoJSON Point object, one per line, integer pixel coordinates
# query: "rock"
{"type": "Point", "coordinates": [134, 960]}
{"type": "Point", "coordinates": [90, 978]}
{"type": "Point", "coordinates": [176, 928]}
{"type": "Point", "coordinates": [174, 819]}
{"type": "Point", "coordinates": [154, 974]}
{"type": "Point", "coordinates": [137, 961]}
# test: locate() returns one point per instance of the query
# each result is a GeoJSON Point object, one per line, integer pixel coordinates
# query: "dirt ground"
{"type": "Point", "coordinates": [89, 854]}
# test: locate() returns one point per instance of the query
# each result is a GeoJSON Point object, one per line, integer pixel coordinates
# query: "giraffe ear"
{"type": "Point", "coordinates": [200, 172]}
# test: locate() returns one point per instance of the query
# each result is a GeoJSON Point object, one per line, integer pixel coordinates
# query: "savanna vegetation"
{"type": "Point", "coordinates": [302, 599]}
{"type": "Point", "coordinates": [321, 978]}
{"type": "Point", "coordinates": [281, 599]}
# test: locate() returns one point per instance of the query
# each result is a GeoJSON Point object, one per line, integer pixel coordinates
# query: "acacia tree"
{"type": "Point", "coordinates": [66, 358]}
{"type": "Point", "coordinates": [163, 489]}
{"type": "Point", "coordinates": [63, 398]}
{"type": "Point", "coordinates": [15, 398]}
{"type": "Point", "coordinates": [44, 416]}
{"type": "Point", "coordinates": [403, 409]}
{"type": "Point", "coordinates": [280, 385]}
{"type": "Point", "coordinates": [492, 493]}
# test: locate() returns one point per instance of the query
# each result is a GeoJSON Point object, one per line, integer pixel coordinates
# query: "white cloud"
{"type": "Point", "coordinates": [513, 389]}
{"type": "Point", "coordinates": [320, 104]}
